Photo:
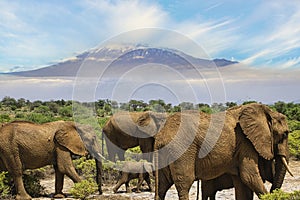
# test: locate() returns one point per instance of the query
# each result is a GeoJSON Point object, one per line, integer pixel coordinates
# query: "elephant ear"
{"type": "Point", "coordinates": [254, 121]}
{"type": "Point", "coordinates": [68, 137]}
{"type": "Point", "coordinates": [147, 125]}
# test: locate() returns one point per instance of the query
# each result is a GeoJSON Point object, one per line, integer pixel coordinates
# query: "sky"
{"type": "Point", "coordinates": [263, 34]}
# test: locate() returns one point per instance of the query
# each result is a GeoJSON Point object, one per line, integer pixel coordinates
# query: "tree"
{"type": "Point", "coordinates": [231, 104]}
{"type": "Point", "coordinates": [218, 107]}
{"type": "Point", "coordinates": [66, 111]}
{"type": "Point", "coordinates": [157, 105]}
{"type": "Point", "coordinates": [187, 106]}
{"type": "Point", "coordinates": [204, 108]}
{"type": "Point", "coordinates": [9, 102]}
{"type": "Point", "coordinates": [21, 103]}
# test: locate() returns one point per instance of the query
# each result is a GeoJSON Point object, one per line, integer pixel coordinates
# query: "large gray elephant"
{"type": "Point", "coordinates": [201, 146]}
{"type": "Point", "coordinates": [125, 130]}
{"type": "Point", "coordinates": [26, 145]}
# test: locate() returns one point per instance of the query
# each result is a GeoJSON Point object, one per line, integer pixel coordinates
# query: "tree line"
{"type": "Point", "coordinates": [105, 107]}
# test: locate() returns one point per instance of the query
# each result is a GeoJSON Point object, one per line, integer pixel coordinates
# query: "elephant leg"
{"type": "Point", "coordinates": [140, 181]}
{"type": "Point", "coordinates": [128, 190]}
{"type": "Point", "coordinates": [183, 177]}
{"type": "Point", "coordinates": [59, 182]}
{"type": "Point", "coordinates": [65, 164]}
{"type": "Point", "coordinates": [165, 181]}
{"type": "Point", "coordinates": [208, 190]}
{"type": "Point", "coordinates": [241, 190]}
{"type": "Point", "coordinates": [250, 176]}
{"type": "Point", "coordinates": [148, 181]}
{"type": "Point", "coordinates": [121, 181]}
{"type": "Point", "coordinates": [14, 166]}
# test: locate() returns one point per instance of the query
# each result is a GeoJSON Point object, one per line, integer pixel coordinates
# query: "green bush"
{"type": "Point", "coordinates": [294, 144]}
{"type": "Point", "coordinates": [280, 195]}
{"type": "Point", "coordinates": [38, 118]}
{"type": "Point", "coordinates": [110, 172]}
{"type": "Point", "coordinates": [84, 188]}
{"type": "Point", "coordinates": [32, 183]}
{"type": "Point", "coordinates": [86, 167]}
{"type": "Point", "coordinates": [294, 125]}
{"type": "Point", "coordinates": [4, 118]}
{"type": "Point", "coordinates": [4, 186]}
{"type": "Point", "coordinates": [31, 180]}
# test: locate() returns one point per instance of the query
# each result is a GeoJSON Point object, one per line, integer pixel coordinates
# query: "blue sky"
{"type": "Point", "coordinates": [257, 33]}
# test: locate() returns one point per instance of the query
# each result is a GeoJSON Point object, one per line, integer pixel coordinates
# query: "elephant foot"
{"type": "Point", "coordinates": [23, 197]}
{"type": "Point", "coordinates": [59, 196]}
{"type": "Point", "coordinates": [128, 190]}
{"type": "Point", "coordinates": [115, 190]}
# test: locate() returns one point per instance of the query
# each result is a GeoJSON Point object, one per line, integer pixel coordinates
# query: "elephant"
{"type": "Point", "coordinates": [131, 170]}
{"type": "Point", "coordinates": [26, 145]}
{"type": "Point", "coordinates": [209, 188]}
{"type": "Point", "coordinates": [204, 146]}
{"type": "Point", "coordinates": [125, 130]}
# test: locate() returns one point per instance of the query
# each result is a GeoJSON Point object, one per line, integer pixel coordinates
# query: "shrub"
{"type": "Point", "coordinates": [84, 188]}
{"type": "Point", "coordinates": [294, 125]}
{"type": "Point", "coordinates": [4, 118]}
{"type": "Point", "coordinates": [280, 195]}
{"type": "Point", "coordinates": [110, 172]}
{"type": "Point", "coordinates": [32, 184]}
{"type": "Point", "coordinates": [4, 186]}
{"type": "Point", "coordinates": [85, 167]}
{"type": "Point", "coordinates": [294, 144]}
{"type": "Point", "coordinates": [38, 118]}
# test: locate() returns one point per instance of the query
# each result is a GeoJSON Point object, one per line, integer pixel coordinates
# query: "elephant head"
{"type": "Point", "coordinates": [130, 129]}
{"type": "Point", "coordinates": [268, 132]}
{"type": "Point", "coordinates": [151, 122]}
{"type": "Point", "coordinates": [92, 144]}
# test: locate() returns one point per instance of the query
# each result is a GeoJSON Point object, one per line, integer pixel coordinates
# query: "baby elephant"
{"type": "Point", "coordinates": [131, 170]}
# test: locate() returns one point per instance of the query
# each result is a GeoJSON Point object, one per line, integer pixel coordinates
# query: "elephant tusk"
{"type": "Point", "coordinates": [286, 165]}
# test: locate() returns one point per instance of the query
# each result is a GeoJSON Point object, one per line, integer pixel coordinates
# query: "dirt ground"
{"type": "Point", "coordinates": [290, 184]}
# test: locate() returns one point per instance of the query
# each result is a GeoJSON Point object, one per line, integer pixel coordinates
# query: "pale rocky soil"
{"type": "Point", "coordinates": [290, 184]}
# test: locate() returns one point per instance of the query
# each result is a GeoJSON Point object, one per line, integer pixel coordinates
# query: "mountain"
{"type": "Point", "coordinates": [123, 56]}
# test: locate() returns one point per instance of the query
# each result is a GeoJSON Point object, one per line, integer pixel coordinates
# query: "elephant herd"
{"type": "Point", "coordinates": [241, 148]}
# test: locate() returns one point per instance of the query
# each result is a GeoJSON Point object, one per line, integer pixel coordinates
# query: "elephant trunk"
{"type": "Point", "coordinates": [99, 175]}
{"type": "Point", "coordinates": [280, 171]}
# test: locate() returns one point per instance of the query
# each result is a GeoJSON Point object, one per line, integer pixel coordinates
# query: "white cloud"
{"type": "Point", "coordinates": [121, 16]}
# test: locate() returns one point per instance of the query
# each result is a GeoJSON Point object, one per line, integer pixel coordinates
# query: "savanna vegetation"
{"type": "Point", "coordinates": [46, 111]}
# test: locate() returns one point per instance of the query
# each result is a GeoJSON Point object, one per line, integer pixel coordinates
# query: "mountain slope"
{"type": "Point", "coordinates": [123, 56]}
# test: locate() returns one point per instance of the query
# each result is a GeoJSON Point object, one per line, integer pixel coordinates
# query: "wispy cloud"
{"type": "Point", "coordinates": [278, 35]}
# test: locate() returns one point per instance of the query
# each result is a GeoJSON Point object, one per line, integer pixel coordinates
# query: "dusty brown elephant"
{"type": "Point", "coordinates": [26, 145]}
{"type": "Point", "coordinates": [190, 148]}
{"type": "Point", "coordinates": [209, 188]}
{"type": "Point", "coordinates": [125, 130]}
